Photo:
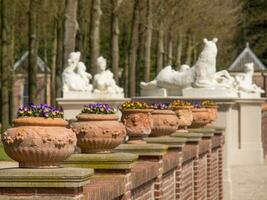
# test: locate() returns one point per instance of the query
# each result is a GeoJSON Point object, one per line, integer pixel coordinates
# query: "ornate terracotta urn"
{"type": "Point", "coordinates": [212, 108]}
{"type": "Point", "coordinates": [39, 138]}
{"type": "Point", "coordinates": [201, 117]}
{"type": "Point", "coordinates": [98, 129]}
{"type": "Point", "coordinates": [165, 121]}
{"type": "Point", "coordinates": [136, 116]}
{"type": "Point", "coordinates": [183, 110]}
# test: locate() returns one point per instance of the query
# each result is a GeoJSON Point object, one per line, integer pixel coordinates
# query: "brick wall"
{"type": "Point", "coordinates": [193, 172]}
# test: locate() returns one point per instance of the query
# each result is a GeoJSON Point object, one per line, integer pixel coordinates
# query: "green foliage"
{"type": "Point", "coordinates": [254, 27]}
{"type": "Point", "coordinates": [3, 155]}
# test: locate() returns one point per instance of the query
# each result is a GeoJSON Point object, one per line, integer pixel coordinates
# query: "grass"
{"type": "Point", "coordinates": [3, 155]}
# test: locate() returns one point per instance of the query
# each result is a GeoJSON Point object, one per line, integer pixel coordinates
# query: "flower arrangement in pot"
{"type": "Point", "coordinates": [98, 129]}
{"type": "Point", "coordinates": [137, 119]}
{"type": "Point", "coordinates": [183, 110]}
{"type": "Point", "coordinates": [40, 137]}
{"type": "Point", "coordinates": [201, 116]}
{"type": "Point", "coordinates": [165, 121]}
{"type": "Point", "coordinates": [212, 108]}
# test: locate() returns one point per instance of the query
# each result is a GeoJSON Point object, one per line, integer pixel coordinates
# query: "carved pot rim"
{"type": "Point", "coordinates": [163, 112]}
{"type": "Point", "coordinates": [39, 121]}
{"type": "Point", "coordinates": [182, 108]}
{"type": "Point", "coordinates": [199, 110]}
{"type": "Point", "coordinates": [215, 107]}
{"type": "Point", "coordinates": [97, 117]}
{"type": "Point", "coordinates": [137, 110]}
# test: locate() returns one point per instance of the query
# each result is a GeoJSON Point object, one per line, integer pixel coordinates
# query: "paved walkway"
{"type": "Point", "coordinates": [250, 182]}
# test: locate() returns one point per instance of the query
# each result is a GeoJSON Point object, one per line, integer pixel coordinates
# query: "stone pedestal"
{"type": "Point", "coordinates": [110, 161]}
{"type": "Point", "coordinates": [43, 184]}
{"type": "Point", "coordinates": [73, 106]}
{"type": "Point", "coordinates": [206, 92]}
{"type": "Point", "coordinates": [143, 149]}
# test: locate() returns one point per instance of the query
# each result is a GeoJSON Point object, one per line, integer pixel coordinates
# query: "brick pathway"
{"type": "Point", "coordinates": [250, 182]}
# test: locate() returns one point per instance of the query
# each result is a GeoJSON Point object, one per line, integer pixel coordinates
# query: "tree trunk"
{"type": "Point", "coordinates": [95, 34]}
{"type": "Point", "coordinates": [148, 39]}
{"type": "Point", "coordinates": [133, 50]}
{"type": "Point", "coordinates": [170, 50]}
{"type": "Point", "coordinates": [82, 29]}
{"type": "Point", "coordinates": [59, 57]}
{"type": "Point", "coordinates": [12, 19]}
{"type": "Point", "coordinates": [115, 52]}
{"type": "Point", "coordinates": [160, 50]}
{"type": "Point", "coordinates": [4, 67]}
{"type": "Point", "coordinates": [179, 52]}
{"type": "Point", "coordinates": [53, 67]}
{"type": "Point", "coordinates": [189, 51]}
{"type": "Point", "coordinates": [124, 80]}
{"type": "Point", "coordinates": [33, 49]}
{"type": "Point", "coordinates": [70, 28]}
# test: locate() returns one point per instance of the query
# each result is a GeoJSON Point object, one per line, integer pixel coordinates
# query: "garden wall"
{"type": "Point", "coordinates": [192, 170]}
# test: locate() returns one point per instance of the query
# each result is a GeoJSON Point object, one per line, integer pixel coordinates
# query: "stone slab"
{"type": "Point", "coordinates": [154, 92]}
{"type": "Point", "coordinates": [249, 95]}
{"type": "Point", "coordinates": [143, 149]}
{"type": "Point", "coordinates": [190, 136]}
{"type": "Point", "coordinates": [208, 93]}
{"type": "Point", "coordinates": [44, 178]}
{"type": "Point", "coordinates": [90, 95]}
{"type": "Point", "coordinates": [206, 132]}
{"type": "Point", "coordinates": [102, 161]}
{"type": "Point", "coordinates": [167, 140]}
{"type": "Point", "coordinates": [218, 129]}
{"type": "Point", "coordinates": [41, 197]}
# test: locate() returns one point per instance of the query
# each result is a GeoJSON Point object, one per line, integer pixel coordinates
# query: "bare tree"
{"type": "Point", "coordinates": [95, 34]}
{"type": "Point", "coordinates": [115, 54]}
{"type": "Point", "coordinates": [160, 49]}
{"type": "Point", "coordinates": [179, 51]}
{"type": "Point", "coordinates": [4, 66]}
{"type": "Point", "coordinates": [133, 50]}
{"type": "Point", "coordinates": [148, 40]}
{"type": "Point", "coordinates": [33, 50]}
{"type": "Point", "coordinates": [70, 28]}
{"type": "Point", "coordinates": [53, 66]}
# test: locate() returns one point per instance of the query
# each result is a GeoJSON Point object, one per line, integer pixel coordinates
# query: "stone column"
{"type": "Point", "coordinates": [225, 120]}
{"type": "Point", "coordinates": [249, 149]}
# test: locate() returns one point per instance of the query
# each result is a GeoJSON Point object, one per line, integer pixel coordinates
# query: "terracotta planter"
{"type": "Point", "coordinates": [213, 112]}
{"type": "Point", "coordinates": [37, 142]}
{"type": "Point", "coordinates": [201, 117]}
{"type": "Point", "coordinates": [138, 124]}
{"type": "Point", "coordinates": [165, 122]}
{"type": "Point", "coordinates": [98, 133]}
{"type": "Point", "coordinates": [185, 117]}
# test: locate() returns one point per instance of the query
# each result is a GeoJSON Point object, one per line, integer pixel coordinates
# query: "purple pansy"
{"type": "Point", "coordinates": [40, 110]}
{"type": "Point", "coordinates": [98, 109]}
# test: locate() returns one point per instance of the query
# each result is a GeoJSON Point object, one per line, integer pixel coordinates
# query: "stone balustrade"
{"type": "Point", "coordinates": [181, 166]}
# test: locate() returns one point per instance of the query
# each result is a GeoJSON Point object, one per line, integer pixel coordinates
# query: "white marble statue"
{"type": "Point", "coordinates": [170, 79]}
{"type": "Point", "coordinates": [205, 67]}
{"type": "Point", "coordinates": [244, 81]}
{"type": "Point", "coordinates": [103, 82]}
{"type": "Point", "coordinates": [201, 77]}
{"type": "Point", "coordinates": [75, 77]}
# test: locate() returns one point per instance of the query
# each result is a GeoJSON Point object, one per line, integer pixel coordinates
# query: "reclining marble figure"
{"type": "Point", "coordinates": [202, 75]}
